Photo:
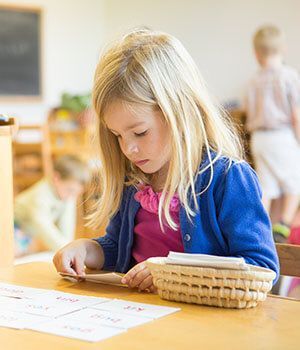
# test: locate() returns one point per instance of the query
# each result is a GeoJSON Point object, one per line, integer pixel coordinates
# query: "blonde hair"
{"type": "Point", "coordinates": [154, 69]}
{"type": "Point", "coordinates": [268, 40]}
{"type": "Point", "coordinates": [71, 167]}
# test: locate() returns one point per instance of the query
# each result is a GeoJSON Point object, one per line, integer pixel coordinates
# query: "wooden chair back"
{"type": "Point", "coordinates": [289, 259]}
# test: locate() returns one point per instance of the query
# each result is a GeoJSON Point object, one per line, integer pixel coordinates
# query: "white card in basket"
{"type": "Point", "coordinates": [204, 260]}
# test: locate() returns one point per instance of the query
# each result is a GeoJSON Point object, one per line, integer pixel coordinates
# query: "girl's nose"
{"type": "Point", "coordinates": [132, 148]}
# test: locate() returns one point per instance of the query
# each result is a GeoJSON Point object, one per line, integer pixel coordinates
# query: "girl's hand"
{"type": "Point", "coordinates": [76, 255]}
{"type": "Point", "coordinates": [139, 277]}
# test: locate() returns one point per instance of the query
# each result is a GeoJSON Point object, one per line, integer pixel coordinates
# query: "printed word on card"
{"type": "Point", "coordinates": [77, 329]}
{"type": "Point", "coordinates": [63, 299]}
{"type": "Point", "coordinates": [107, 318]}
{"type": "Point", "coordinates": [137, 309]}
{"type": "Point", "coordinates": [14, 291]}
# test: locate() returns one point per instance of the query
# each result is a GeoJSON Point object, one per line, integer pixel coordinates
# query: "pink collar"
{"type": "Point", "coordinates": [149, 199]}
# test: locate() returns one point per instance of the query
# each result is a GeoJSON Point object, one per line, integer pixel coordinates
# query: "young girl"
{"type": "Point", "coordinates": [172, 176]}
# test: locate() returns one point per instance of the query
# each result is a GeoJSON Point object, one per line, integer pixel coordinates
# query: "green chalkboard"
{"type": "Point", "coordinates": [20, 52]}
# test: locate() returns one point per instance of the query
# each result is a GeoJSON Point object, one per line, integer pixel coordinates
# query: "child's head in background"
{"type": "Point", "coordinates": [70, 175]}
{"type": "Point", "coordinates": [156, 121]}
{"type": "Point", "coordinates": [268, 42]}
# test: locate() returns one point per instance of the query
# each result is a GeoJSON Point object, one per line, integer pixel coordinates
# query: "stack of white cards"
{"type": "Point", "coordinates": [71, 315]}
{"type": "Point", "coordinates": [205, 260]}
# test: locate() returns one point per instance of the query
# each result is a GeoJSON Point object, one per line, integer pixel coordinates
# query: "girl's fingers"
{"type": "Point", "coordinates": [138, 278]}
{"type": "Point", "coordinates": [64, 264]}
{"type": "Point", "coordinates": [147, 283]}
{"type": "Point", "coordinates": [57, 262]}
{"type": "Point", "coordinates": [132, 272]}
{"type": "Point", "coordinates": [78, 266]}
{"type": "Point", "coordinates": [68, 270]}
{"type": "Point", "coordinates": [153, 289]}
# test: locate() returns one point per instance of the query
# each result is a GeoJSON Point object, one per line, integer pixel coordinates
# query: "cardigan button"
{"type": "Point", "coordinates": [187, 237]}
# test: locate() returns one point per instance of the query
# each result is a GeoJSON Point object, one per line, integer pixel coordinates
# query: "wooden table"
{"type": "Point", "coordinates": [273, 325]}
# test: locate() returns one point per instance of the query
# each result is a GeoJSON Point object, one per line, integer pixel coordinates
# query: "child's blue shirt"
{"type": "Point", "coordinates": [231, 220]}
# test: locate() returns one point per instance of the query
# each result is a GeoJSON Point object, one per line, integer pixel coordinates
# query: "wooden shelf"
{"type": "Point", "coordinates": [32, 160]}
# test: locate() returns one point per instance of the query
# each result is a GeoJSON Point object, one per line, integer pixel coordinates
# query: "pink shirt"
{"type": "Point", "coordinates": [270, 98]}
{"type": "Point", "coordinates": [149, 239]}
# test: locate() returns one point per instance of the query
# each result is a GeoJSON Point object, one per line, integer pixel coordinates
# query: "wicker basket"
{"type": "Point", "coordinates": [209, 286]}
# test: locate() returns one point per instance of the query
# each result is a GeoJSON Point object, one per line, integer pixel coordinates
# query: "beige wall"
{"type": "Point", "coordinates": [216, 32]}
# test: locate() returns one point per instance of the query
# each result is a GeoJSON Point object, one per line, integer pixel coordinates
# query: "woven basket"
{"type": "Point", "coordinates": [209, 286]}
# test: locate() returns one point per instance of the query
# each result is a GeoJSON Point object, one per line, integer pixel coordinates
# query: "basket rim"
{"type": "Point", "coordinates": [157, 262]}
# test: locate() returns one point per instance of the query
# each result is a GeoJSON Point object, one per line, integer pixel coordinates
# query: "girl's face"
{"type": "Point", "coordinates": [142, 133]}
{"type": "Point", "coordinates": [67, 189]}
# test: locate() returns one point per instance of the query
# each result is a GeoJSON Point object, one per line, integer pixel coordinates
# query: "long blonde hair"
{"type": "Point", "coordinates": [154, 69]}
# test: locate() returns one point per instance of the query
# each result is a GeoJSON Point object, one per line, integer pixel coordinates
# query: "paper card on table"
{"type": "Point", "coordinates": [107, 318]}
{"type": "Point", "coordinates": [12, 290]}
{"type": "Point", "coordinates": [39, 307]}
{"type": "Point", "coordinates": [137, 309]}
{"type": "Point", "coordinates": [50, 304]}
{"type": "Point", "coordinates": [34, 307]}
{"type": "Point", "coordinates": [77, 329]}
{"type": "Point", "coordinates": [70, 299]}
{"type": "Point", "coordinates": [19, 320]}
{"type": "Point", "coordinates": [99, 277]}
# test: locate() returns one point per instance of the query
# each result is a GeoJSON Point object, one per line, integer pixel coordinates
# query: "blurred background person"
{"type": "Point", "coordinates": [273, 112]}
{"type": "Point", "coordinates": [45, 213]}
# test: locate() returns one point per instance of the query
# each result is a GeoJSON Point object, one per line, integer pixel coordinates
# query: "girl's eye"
{"type": "Point", "coordinates": [141, 133]}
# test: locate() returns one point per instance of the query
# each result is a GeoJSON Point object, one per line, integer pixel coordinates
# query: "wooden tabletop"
{"type": "Point", "coordinates": [275, 324]}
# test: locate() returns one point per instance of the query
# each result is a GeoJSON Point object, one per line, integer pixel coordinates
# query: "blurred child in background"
{"type": "Point", "coordinates": [45, 214]}
{"type": "Point", "coordinates": [273, 113]}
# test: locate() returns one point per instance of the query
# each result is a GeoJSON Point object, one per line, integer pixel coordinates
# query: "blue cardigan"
{"type": "Point", "coordinates": [231, 220]}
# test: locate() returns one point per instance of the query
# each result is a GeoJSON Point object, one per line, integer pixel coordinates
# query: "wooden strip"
{"type": "Point", "coordinates": [6, 199]}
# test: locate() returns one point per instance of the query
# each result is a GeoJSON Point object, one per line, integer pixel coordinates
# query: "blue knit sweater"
{"type": "Point", "coordinates": [231, 220]}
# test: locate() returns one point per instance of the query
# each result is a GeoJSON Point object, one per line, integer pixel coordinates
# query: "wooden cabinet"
{"type": "Point", "coordinates": [6, 194]}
